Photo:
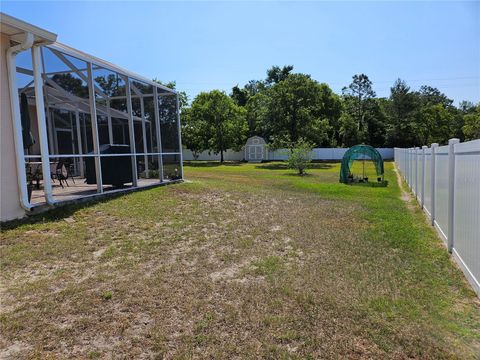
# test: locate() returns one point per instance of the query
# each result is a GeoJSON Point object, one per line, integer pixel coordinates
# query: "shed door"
{"type": "Point", "coordinates": [255, 152]}
{"type": "Point", "coordinates": [259, 152]}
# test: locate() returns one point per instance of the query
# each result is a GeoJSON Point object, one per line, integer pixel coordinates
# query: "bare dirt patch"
{"type": "Point", "coordinates": [211, 270]}
{"type": "Point", "coordinates": [405, 195]}
{"type": "Point", "coordinates": [219, 248]}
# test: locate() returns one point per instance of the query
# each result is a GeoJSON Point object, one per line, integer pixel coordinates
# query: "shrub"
{"type": "Point", "coordinates": [300, 157]}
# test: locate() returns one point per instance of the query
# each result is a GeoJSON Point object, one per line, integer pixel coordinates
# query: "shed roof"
{"type": "Point", "coordinates": [251, 139]}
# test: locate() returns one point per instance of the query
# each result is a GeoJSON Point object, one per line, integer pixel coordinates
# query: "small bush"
{"type": "Point", "coordinates": [107, 295]}
{"type": "Point", "coordinates": [300, 157]}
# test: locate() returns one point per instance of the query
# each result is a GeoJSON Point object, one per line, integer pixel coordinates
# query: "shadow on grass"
{"type": "Point", "coordinates": [370, 184]}
{"type": "Point", "coordinates": [294, 174]}
{"type": "Point", "coordinates": [50, 215]}
{"type": "Point", "coordinates": [277, 166]}
{"type": "Point", "coordinates": [203, 163]}
{"type": "Point", "coordinates": [67, 209]}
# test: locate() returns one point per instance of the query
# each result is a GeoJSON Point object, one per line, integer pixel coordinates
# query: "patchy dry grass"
{"type": "Point", "coordinates": [244, 261]}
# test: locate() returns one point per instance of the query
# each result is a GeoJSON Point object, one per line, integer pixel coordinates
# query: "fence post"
{"type": "Point", "coordinates": [416, 173]}
{"type": "Point", "coordinates": [422, 198]}
{"type": "Point", "coordinates": [405, 175]}
{"type": "Point", "coordinates": [451, 192]}
{"type": "Point", "coordinates": [409, 178]}
{"type": "Point", "coordinates": [409, 151]}
{"type": "Point", "coordinates": [406, 165]}
{"type": "Point", "coordinates": [410, 181]}
{"type": "Point", "coordinates": [405, 170]}
{"type": "Point", "coordinates": [432, 182]}
{"type": "Point", "coordinates": [410, 170]}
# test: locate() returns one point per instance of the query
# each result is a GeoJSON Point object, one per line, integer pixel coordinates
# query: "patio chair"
{"type": "Point", "coordinates": [70, 169]}
{"type": "Point", "coordinates": [62, 173]}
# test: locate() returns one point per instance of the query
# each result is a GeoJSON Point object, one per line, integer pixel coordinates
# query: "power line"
{"type": "Point", "coordinates": [229, 83]}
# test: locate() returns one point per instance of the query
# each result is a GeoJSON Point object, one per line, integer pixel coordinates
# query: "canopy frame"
{"type": "Point", "coordinates": [360, 152]}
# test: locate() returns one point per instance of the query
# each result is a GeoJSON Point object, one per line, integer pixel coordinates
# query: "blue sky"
{"type": "Point", "coordinates": [208, 45]}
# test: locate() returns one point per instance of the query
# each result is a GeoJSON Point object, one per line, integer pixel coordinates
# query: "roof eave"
{"type": "Point", "coordinates": [17, 28]}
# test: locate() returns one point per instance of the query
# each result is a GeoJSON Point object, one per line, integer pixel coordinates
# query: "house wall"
{"type": "Point", "coordinates": [9, 192]}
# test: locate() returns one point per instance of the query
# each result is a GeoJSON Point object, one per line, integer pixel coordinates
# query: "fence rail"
{"type": "Point", "coordinates": [317, 154]}
{"type": "Point", "coordinates": [446, 183]}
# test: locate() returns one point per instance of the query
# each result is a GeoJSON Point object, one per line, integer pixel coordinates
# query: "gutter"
{"type": "Point", "coordinates": [16, 119]}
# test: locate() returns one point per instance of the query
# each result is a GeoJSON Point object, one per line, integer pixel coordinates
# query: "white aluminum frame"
{"type": "Point", "coordinates": [49, 99]}
{"type": "Point", "coordinates": [105, 64]}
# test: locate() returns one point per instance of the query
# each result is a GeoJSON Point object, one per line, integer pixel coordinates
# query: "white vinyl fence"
{"type": "Point", "coordinates": [317, 154]}
{"type": "Point", "coordinates": [446, 182]}
{"type": "Point", "coordinates": [228, 155]}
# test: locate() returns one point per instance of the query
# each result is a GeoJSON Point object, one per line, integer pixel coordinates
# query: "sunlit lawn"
{"type": "Point", "coordinates": [241, 261]}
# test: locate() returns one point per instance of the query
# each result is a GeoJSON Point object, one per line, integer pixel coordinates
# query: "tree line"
{"type": "Point", "coordinates": [287, 108]}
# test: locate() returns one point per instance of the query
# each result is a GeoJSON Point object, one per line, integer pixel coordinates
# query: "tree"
{"type": "Point", "coordinates": [193, 133]}
{"type": "Point", "coordinates": [467, 107]}
{"type": "Point", "coordinates": [434, 124]}
{"type": "Point", "coordinates": [471, 129]}
{"type": "Point", "coordinates": [287, 106]}
{"type": "Point", "coordinates": [300, 156]}
{"type": "Point", "coordinates": [436, 117]}
{"type": "Point", "coordinates": [257, 110]}
{"type": "Point", "coordinates": [71, 84]}
{"type": "Point", "coordinates": [224, 125]}
{"type": "Point", "coordinates": [182, 95]}
{"type": "Point", "coordinates": [421, 117]}
{"type": "Point", "coordinates": [299, 107]}
{"type": "Point", "coordinates": [357, 97]}
{"type": "Point", "coordinates": [111, 84]}
{"type": "Point", "coordinates": [433, 96]}
{"type": "Point", "coordinates": [253, 96]}
{"type": "Point", "coordinates": [276, 74]}
{"type": "Point", "coordinates": [375, 123]}
{"type": "Point", "coordinates": [253, 87]}
{"type": "Point", "coordinates": [240, 95]}
{"type": "Point", "coordinates": [348, 130]}
{"type": "Point", "coordinates": [332, 110]}
{"type": "Point", "coordinates": [401, 122]}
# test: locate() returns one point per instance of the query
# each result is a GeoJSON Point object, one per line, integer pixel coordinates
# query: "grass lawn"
{"type": "Point", "coordinates": [243, 261]}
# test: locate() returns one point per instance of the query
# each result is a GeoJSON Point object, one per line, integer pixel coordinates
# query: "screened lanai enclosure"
{"type": "Point", "coordinates": [100, 128]}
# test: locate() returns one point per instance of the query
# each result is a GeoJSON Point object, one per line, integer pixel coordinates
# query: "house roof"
{"type": "Point", "coordinates": [15, 28]}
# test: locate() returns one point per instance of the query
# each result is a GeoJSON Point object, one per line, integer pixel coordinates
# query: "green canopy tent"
{"type": "Point", "coordinates": [360, 152]}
